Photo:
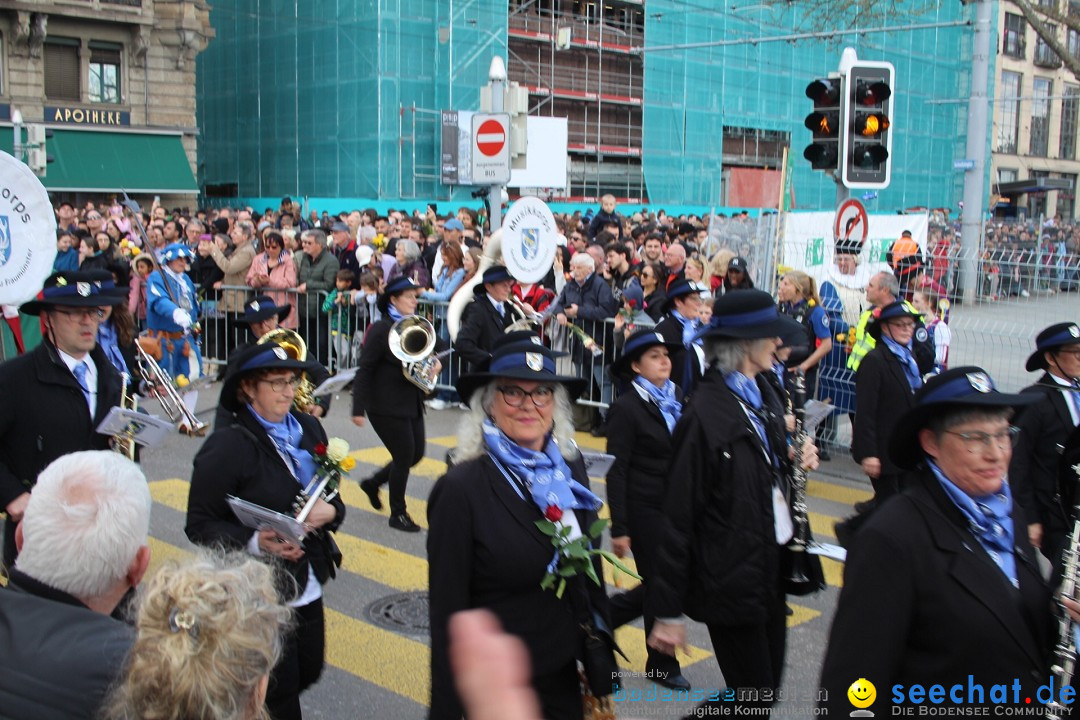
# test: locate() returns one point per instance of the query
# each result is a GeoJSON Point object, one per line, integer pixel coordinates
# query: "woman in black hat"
{"type": "Point", "coordinates": [640, 424]}
{"type": "Point", "coordinates": [394, 404]}
{"type": "Point", "coordinates": [265, 456]}
{"type": "Point", "coordinates": [680, 326]}
{"type": "Point", "coordinates": [941, 586]}
{"type": "Point", "coordinates": [516, 464]}
{"type": "Point", "coordinates": [884, 387]}
{"type": "Point", "coordinates": [727, 515]}
{"type": "Point", "coordinates": [1044, 428]}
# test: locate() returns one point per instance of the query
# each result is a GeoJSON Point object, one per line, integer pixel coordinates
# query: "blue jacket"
{"type": "Point", "coordinates": [159, 306]}
{"type": "Point", "coordinates": [67, 260]}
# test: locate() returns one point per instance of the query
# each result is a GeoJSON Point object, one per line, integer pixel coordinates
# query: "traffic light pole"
{"type": "Point", "coordinates": [974, 188]}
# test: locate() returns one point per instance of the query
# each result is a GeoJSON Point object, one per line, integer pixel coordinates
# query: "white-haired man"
{"type": "Point", "coordinates": [82, 546]}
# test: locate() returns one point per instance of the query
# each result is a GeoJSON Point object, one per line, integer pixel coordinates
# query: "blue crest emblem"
{"type": "Point", "coordinates": [530, 242]}
{"type": "Point", "coordinates": [5, 240]}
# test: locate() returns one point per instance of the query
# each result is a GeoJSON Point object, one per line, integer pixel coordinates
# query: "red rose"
{"type": "Point", "coordinates": [320, 449]}
{"type": "Point", "coordinates": [553, 513]}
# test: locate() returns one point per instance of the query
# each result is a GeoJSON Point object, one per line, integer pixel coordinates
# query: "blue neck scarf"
{"type": "Point", "coordinates": [988, 519]}
{"type": "Point", "coordinates": [393, 312]}
{"type": "Point", "coordinates": [286, 436]}
{"type": "Point", "coordinates": [690, 329]}
{"type": "Point", "coordinates": [747, 390]}
{"type": "Point", "coordinates": [665, 399]}
{"type": "Point", "coordinates": [107, 341]}
{"type": "Point", "coordinates": [907, 361]}
{"type": "Point", "coordinates": [545, 473]}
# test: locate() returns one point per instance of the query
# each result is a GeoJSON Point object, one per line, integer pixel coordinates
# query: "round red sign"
{"type": "Point", "coordinates": [490, 137]}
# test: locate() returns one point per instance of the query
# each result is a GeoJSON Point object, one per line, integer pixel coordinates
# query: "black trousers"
{"type": "Point", "coordinates": [645, 523]}
{"type": "Point", "coordinates": [560, 693]}
{"type": "Point", "coordinates": [404, 439]}
{"type": "Point", "coordinates": [751, 657]}
{"type": "Point", "coordinates": [301, 663]}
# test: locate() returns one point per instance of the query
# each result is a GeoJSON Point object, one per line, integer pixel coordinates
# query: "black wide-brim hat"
{"type": "Point", "coordinates": [267, 356]}
{"type": "Point", "coordinates": [70, 289]}
{"type": "Point", "coordinates": [494, 274]}
{"type": "Point", "coordinates": [395, 287]}
{"type": "Point", "coordinates": [1053, 337]}
{"type": "Point", "coordinates": [520, 356]}
{"type": "Point", "coordinates": [892, 311]}
{"type": "Point", "coordinates": [747, 315]}
{"type": "Point", "coordinates": [635, 347]}
{"type": "Point", "coordinates": [104, 279]}
{"type": "Point", "coordinates": [262, 308]}
{"type": "Point", "coordinates": [679, 288]}
{"type": "Point", "coordinates": [960, 387]}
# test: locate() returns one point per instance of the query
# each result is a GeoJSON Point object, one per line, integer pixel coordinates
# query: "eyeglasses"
{"type": "Point", "coordinates": [1074, 352]}
{"type": "Point", "coordinates": [514, 396]}
{"type": "Point", "coordinates": [95, 313]}
{"type": "Point", "coordinates": [281, 383]}
{"type": "Point", "coordinates": [980, 441]}
{"type": "Point", "coordinates": [903, 324]}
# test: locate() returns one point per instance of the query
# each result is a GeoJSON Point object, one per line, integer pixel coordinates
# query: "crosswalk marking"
{"type": "Point", "coordinates": [403, 571]}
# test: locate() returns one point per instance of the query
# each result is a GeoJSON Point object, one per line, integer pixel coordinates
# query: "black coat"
{"type": "Point", "coordinates": [43, 415]}
{"type": "Point", "coordinates": [719, 562]}
{"type": "Point", "coordinates": [1033, 472]}
{"type": "Point", "coordinates": [481, 326]}
{"type": "Point", "coordinates": [882, 395]}
{"type": "Point", "coordinates": [639, 439]}
{"type": "Point", "coordinates": [671, 330]}
{"type": "Point", "coordinates": [484, 551]}
{"type": "Point", "coordinates": [923, 603]}
{"type": "Point", "coordinates": [241, 460]}
{"type": "Point", "coordinates": [60, 657]}
{"type": "Point", "coordinates": [380, 385]}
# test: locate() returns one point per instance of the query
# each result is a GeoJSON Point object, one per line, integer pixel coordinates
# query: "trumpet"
{"type": "Point", "coordinates": [162, 386]}
{"type": "Point", "coordinates": [294, 345]}
{"type": "Point", "coordinates": [124, 441]}
{"type": "Point", "coordinates": [411, 341]}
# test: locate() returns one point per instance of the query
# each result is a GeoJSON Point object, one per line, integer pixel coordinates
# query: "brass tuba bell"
{"type": "Point", "coordinates": [411, 341]}
{"type": "Point", "coordinates": [294, 345]}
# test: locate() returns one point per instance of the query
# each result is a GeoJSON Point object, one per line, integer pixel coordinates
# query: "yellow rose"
{"type": "Point", "coordinates": [348, 463]}
{"type": "Point", "coordinates": [337, 449]}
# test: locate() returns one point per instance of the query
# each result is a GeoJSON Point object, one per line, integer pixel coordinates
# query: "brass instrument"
{"type": "Point", "coordinates": [464, 294]}
{"type": "Point", "coordinates": [124, 442]}
{"type": "Point", "coordinates": [294, 345]}
{"type": "Point", "coordinates": [803, 572]}
{"type": "Point", "coordinates": [412, 340]}
{"type": "Point", "coordinates": [161, 385]}
{"type": "Point", "coordinates": [525, 321]}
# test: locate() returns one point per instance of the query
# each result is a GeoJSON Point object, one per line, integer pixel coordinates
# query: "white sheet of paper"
{"type": "Point", "coordinates": [257, 517]}
{"type": "Point", "coordinates": [816, 411]}
{"type": "Point", "coordinates": [833, 552]}
{"type": "Point", "coordinates": [597, 464]}
{"type": "Point", "coordinates": [149, 431]}
{"type": "Point", "coordinates": [335, 383]}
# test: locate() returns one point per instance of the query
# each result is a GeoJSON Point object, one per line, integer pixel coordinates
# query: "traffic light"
{"type": "Point", "coordinates": [868, 120]}
{"type": "Point", "coordinates": [824, 122]}
{"type": "Point", "coordinates": [36, 156]}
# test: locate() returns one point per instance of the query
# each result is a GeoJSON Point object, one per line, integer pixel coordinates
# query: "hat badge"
{"type": "Point", "coordinates": [1074, 331]}
{"type": "Point", "coordinates": [61, 281]}
{"type": "Point", "coordinates": [535, 340]}
{"type": "Point", "coordinates": [83, 289]}
{"type": "Point", "coordinates": [254, 305]}
{"type": "Point", "coordinates": [534, 361]}
{"type": "Point", "coordinates": [281, 354]}
{"type": "Point", "coordinates": [980, 382]}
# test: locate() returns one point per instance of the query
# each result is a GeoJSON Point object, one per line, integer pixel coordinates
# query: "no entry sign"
{"type": "Point", "coordinates": [490, 149]}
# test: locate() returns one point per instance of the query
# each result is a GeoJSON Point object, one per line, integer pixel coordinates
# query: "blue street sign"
{"type": "Point", "coordinates": [872, 195]}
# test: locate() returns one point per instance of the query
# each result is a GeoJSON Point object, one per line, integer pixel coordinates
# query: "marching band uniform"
{"type": "Point", "coordinates": [45, 412]}
{"type": "Point", "coordinates": [687, 358]}
{"type": "Point", "coordinates": [483, 321]}
{"type": "Point", "coordinates": [172, 308]}
{"type": "Point", "coordinates": [1044, 428]}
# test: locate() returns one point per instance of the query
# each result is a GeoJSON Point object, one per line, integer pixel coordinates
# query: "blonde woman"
{"type": "Point", "coordinates": [799, 300]}
{"type": "Point", "coordinates": [209, 631]}
{"type": "Point", "coordinates": [718, 268]}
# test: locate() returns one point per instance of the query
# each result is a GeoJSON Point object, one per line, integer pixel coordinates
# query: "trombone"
{"type": "Point", "coordinates": [161, 384]}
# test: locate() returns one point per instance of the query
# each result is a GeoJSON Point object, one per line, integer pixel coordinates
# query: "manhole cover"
{"type": "Point", "coordinates": [404, 612]}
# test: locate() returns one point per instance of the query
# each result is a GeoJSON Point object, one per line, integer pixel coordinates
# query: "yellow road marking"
{"type": "Point", "coordinates": [403, 571]}
{"type": "Point", "coordinates": [837, 493]}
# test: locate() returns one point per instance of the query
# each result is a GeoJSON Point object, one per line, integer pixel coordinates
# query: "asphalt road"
{"type": "Point", "coordinates": [380, 669]}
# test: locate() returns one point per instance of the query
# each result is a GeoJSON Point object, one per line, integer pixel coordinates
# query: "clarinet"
{"type": "Point", "coordinates": [804, 572]}
{"type": "Point", "coordinates": [1064, 666]}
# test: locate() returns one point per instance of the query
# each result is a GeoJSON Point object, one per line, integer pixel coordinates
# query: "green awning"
{"type": "Point", "coordinates": [88, 161]}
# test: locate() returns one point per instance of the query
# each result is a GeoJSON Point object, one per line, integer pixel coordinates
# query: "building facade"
{"type": "Point", "coordinates": [667, 102]}
{"type": "Point", "coordinates": [1035, 163]}
{"type": "Point", "coordinates": [114, 81]}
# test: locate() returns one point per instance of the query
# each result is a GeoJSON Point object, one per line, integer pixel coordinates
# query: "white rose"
{"type": "Point", "coordinates": [337, 449]}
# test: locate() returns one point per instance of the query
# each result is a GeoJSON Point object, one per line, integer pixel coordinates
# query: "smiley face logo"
{"type": "Point", "coordinates": [862, 693]}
